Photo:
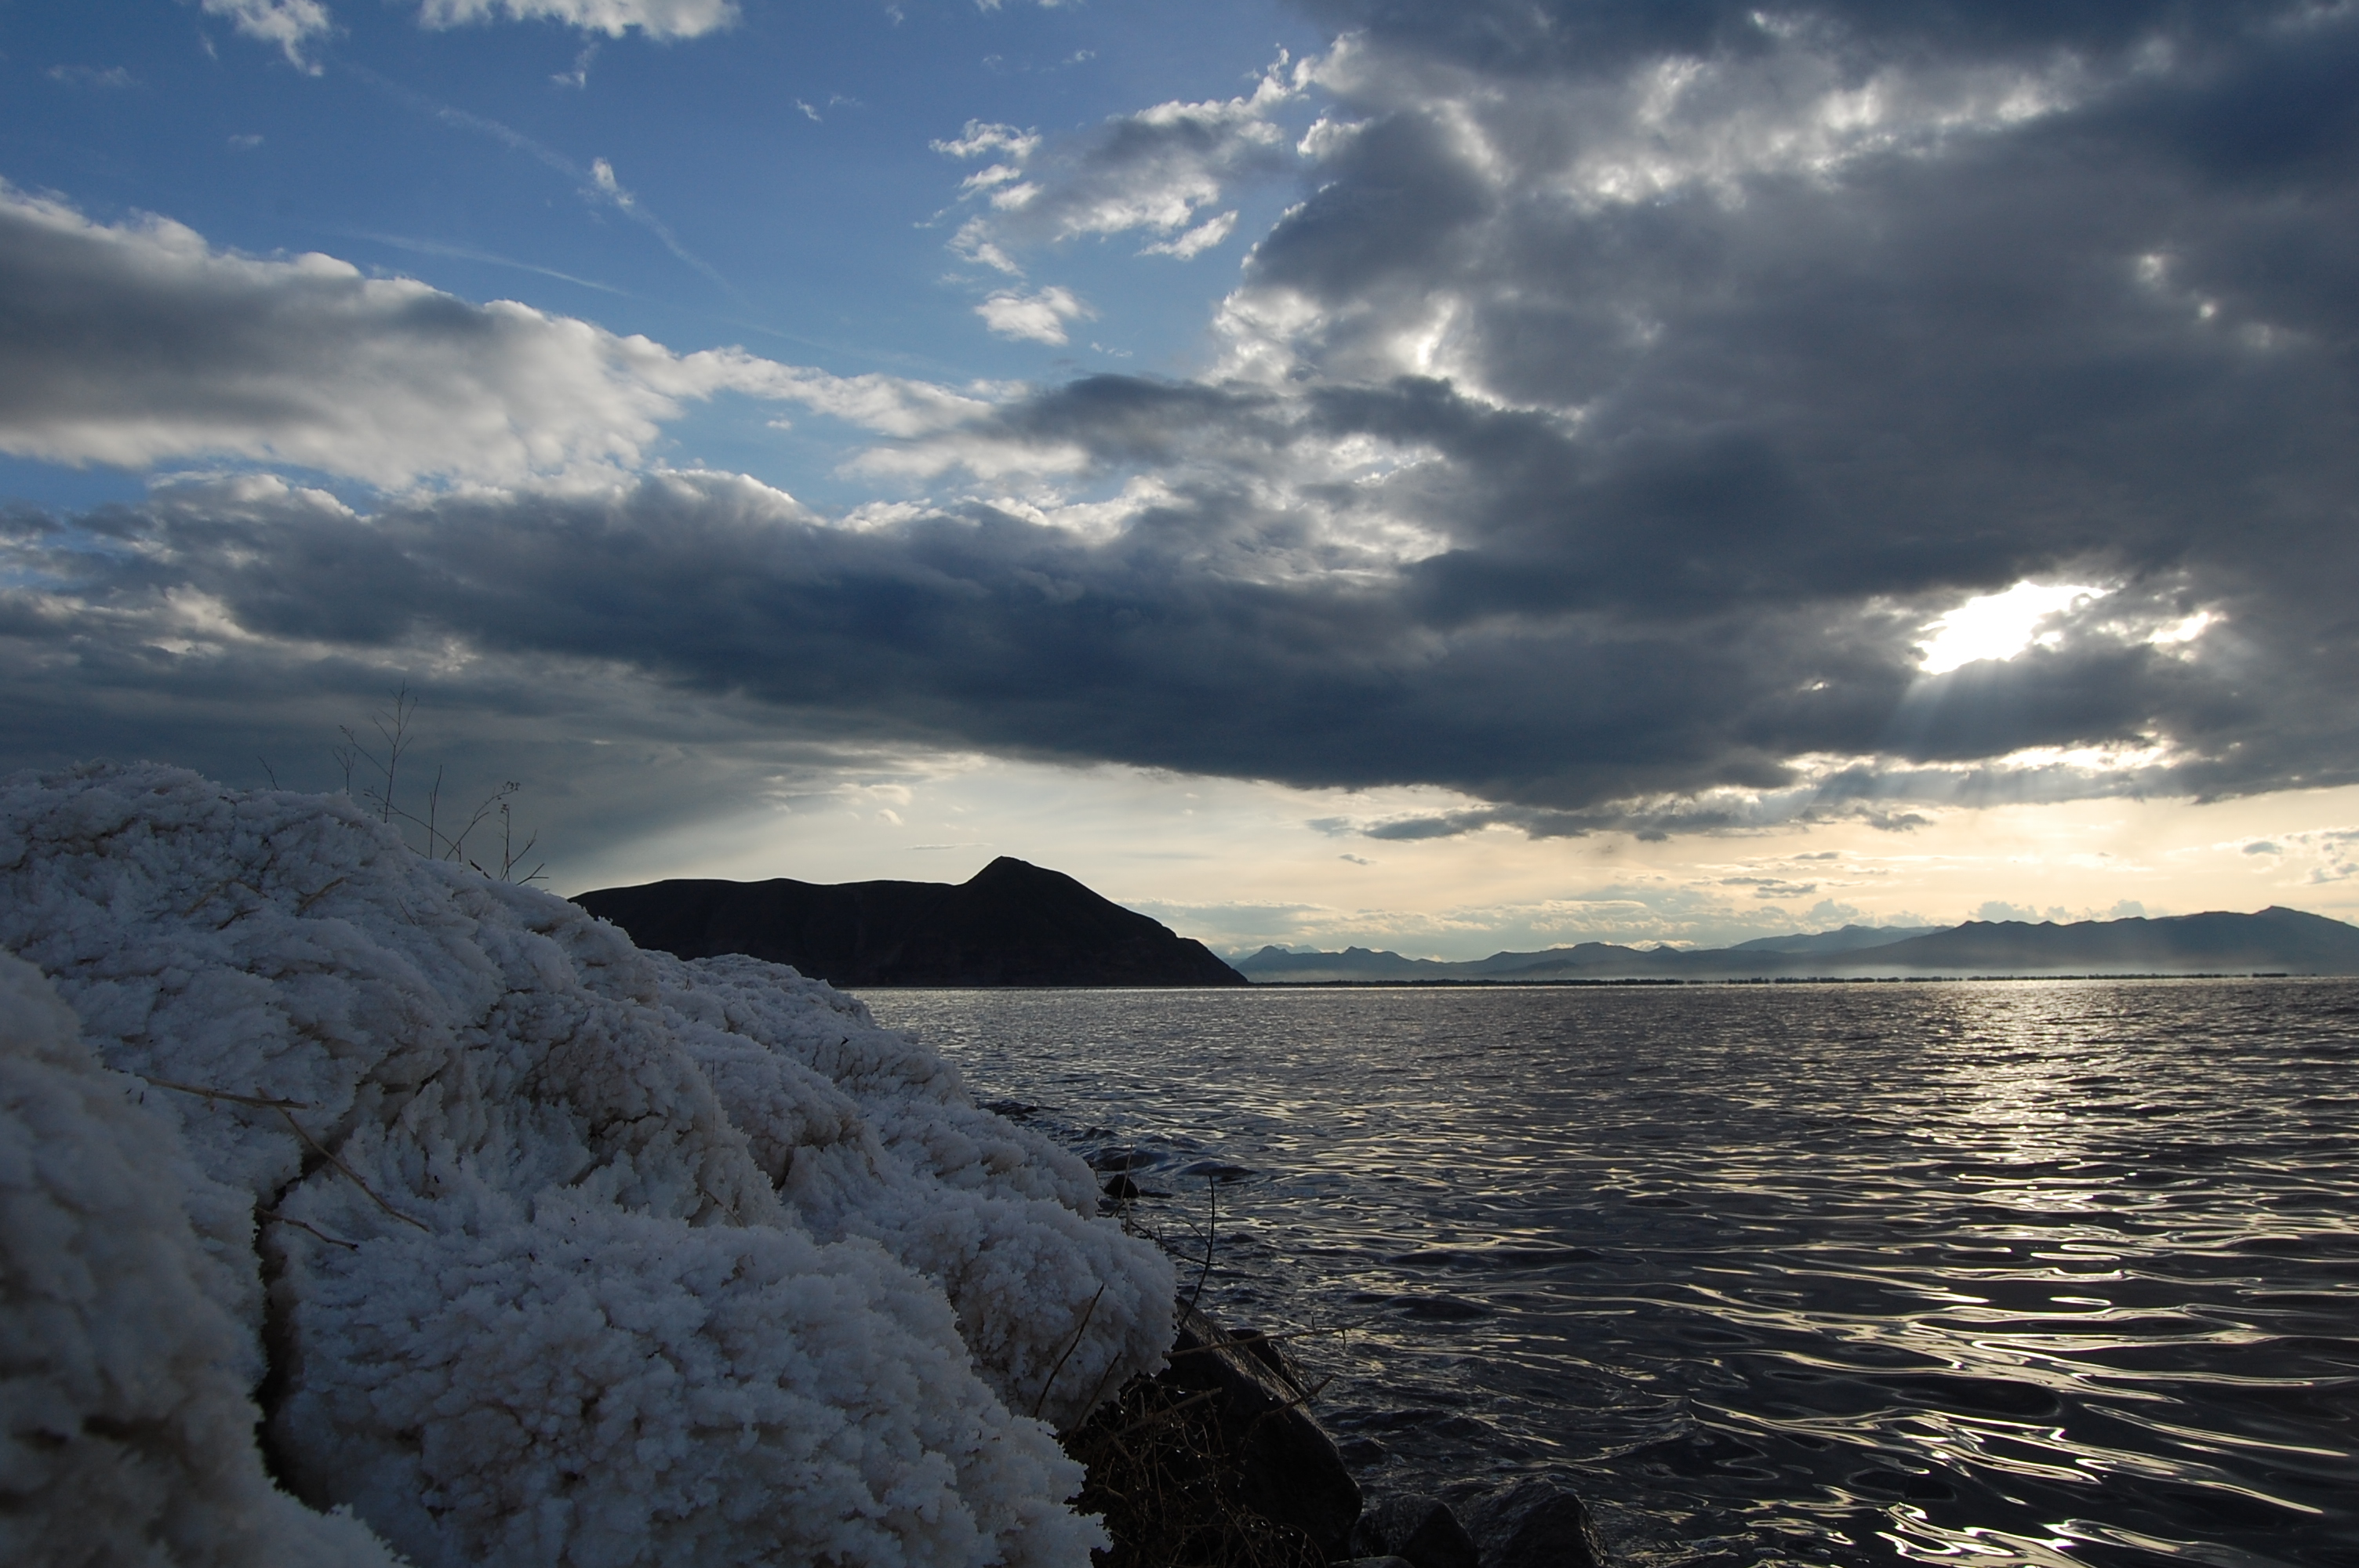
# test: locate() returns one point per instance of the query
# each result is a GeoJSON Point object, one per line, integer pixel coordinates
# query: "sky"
{"type": "Point", "coordinates": [1439, 476]}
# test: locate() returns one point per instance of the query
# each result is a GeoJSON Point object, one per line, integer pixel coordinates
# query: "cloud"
{"type": "Point", "coordinates": [982, 137]}
{"type": "Point", "coordinates": [2331, 854]}
{"type": "Point", "coordinates": [292, 25]}
{"type": "Point", "coordinates": [138, 344]}
{"type": "Point", "coordinates": [1038, 317]}
{"type": "Point", "coordinates": [1158, 643]}
{"type": "Point", "coordinates": [656, 19]}
{"type": "Point", "coordinates": [1771, 887]}
{"type": "Point", "coordinates": [1161, 169]}
{"type": "Point", "coordinates": [1639, 392]}
{"type": "Point", "coordinates": [1196, 241]}
{"type": "Point", "coordinates": [113, 76]}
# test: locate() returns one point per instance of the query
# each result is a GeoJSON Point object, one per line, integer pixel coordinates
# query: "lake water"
{"type": "Point", "coordinates": [2043, 1272]}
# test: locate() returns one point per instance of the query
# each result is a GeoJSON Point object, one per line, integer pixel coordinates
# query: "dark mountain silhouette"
{"type": "Point", "coordinates": [2275, 940]}
{"type": "Point", "coordinates": [1849, 939]}
{"type": "Point", "coordinates": [1011, 924]}
{"type": "Point", "coordinates": [1274, 964]}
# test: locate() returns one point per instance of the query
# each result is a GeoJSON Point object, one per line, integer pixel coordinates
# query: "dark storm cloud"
{"type": "Point", "coordinates": [1557, 36]}
{"type": "Point", "coordinates": [1598, 438]}
{"type": "Point", "coordinates": [985, 629]}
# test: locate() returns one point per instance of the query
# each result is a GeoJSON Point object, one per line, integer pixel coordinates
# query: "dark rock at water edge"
{"type": "Point", "coordinates": [1527, 1523]}
{"type": "Point", "coordinates": [1531, 1523]}
{"type": "Point", "coordinates": [1012, 924]}
{"type": "Point", "coordinates": [1217, 1460]}
{"type": "Point", "coordinates": [1214, 1461]}
{"type": "Point", "coordinates": [1419, 1529]}
{"type": "Point", "coordinates": [1288, 1468]}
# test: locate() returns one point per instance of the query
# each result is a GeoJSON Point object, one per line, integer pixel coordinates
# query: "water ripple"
{"type": "Point", "coordinates": [2044, 1273]}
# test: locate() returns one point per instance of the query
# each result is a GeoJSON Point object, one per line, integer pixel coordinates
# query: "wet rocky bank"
{"type": "Point", "coordinates": [1218, 1461]}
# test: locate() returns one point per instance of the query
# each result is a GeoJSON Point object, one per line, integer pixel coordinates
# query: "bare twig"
{"type": "Point", "coordinates": [349, 1174]}
{"type": "Point", "coordinates": [272, 1216]}
{"type": "Point", "coordinates": [1155, 1417]}
{"type": "Point", "coordinates": [1070, 1345]}
{"type": "Point", "coordinates": [288, 1108]}
{"type": "Point", "coordinates": [1098, 1393]}
{"type": "Point", "coordinates": [433, 807]}
{"type": "Point", "coordinates": [1265, 1338]}
{"type": "Point", "coordinates": [1211, 1228]}
{"type": "Point", "coordinates": [328, 887]}
{"type": "Point", "coordinates": [510, 856]}
{"type": "Point", "coordinates": [1300, 1401]}
{"type": "Point", "coordinates": [394, 732]}
{"type": "Point", "coordinates": [397, 740]}
{"type": "Point", "coordinates": [262, 1101]}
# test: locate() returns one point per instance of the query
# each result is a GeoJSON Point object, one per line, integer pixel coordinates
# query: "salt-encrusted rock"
{"type": "Point", "coordinates": [1531, 1523]}
{"type": "Point", "coordinates": [124, 1383]}
{"type": "Point", "coordinates": [1290, 1471]}
{"type": "Point", "coordinates": [1418, 1528]}
{"type": "Point", "coordinates": [575, 1254]}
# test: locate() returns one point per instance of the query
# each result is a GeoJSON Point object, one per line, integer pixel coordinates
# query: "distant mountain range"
{"type": "Point", "coordinates": [1012, 924]}
{"type": "Point", "coordinates": [2275, 940]}
{"type": "Point", "coordinates": [1848, 940]}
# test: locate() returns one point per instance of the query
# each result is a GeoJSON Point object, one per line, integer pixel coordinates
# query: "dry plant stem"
{"type": "Point", "coordinates": [288, 1108]}
{"type": "Point", "coordinates": [1165, 1479]}
{"type": "Point", "coordinates": [261, 1102]}
{"type": "Point", "coordinates": [272, 1216]}
{"type": "Point", "coordinates": [305, 907]}
{"type": "Point", "coordinates": [1070, 1345]}
{"type": "Point", "coordinates": [396, 733]}
{"type": "Point", "coordinates": [1154, 1419]}
{"type": "Point", "coordinates": [433, 807]}
{"type": "Point", "coordinates": [393, 728]}
{"type": "Point", "coordinates": [1289, 1333]}
{"type": "Point", "coordinates": [349, 1174]}
{"type": "Point", "coordinates": [1211, 1228]}
{"type": "Point", "coordinates": [1098, 1393]}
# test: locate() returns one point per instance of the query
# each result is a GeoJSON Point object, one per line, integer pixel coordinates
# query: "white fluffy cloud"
{"type": "Point", "coordinates": [139, 343]}
{"type": "Point", "coordinates": [657, 18]}
{"type": "Point", "coordinates": [290, 24]}
{"type": "Point", "coordinates": [1196, 241]}
{"type": "Point", "coordinates": [1162, 171]}
{"type": "Point", "coordinates": [1039, 316]}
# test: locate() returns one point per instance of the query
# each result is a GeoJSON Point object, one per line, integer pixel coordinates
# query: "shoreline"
{"type": "Point", "coordinates": [1629, 980]}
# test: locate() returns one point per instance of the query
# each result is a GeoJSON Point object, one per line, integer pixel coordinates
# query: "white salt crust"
{"type": "Point", "coordinates": [563, 1252]}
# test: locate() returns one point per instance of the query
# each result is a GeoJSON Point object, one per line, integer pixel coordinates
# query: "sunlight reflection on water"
{"type": "Point", "coordinates": [2053, 1272]}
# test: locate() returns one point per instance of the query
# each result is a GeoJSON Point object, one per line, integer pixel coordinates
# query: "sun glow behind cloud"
{"type": "Point", "coordinates": [2001, 625]}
